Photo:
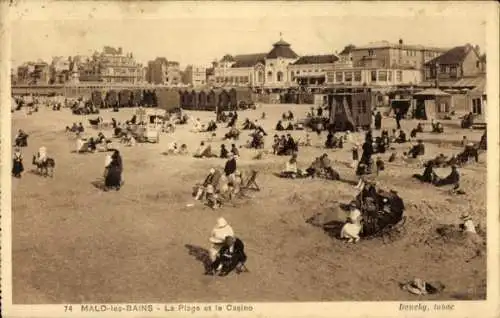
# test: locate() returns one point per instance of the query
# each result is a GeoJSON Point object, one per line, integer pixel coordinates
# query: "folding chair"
{"type": "Point", "coordinates": [251, 184]}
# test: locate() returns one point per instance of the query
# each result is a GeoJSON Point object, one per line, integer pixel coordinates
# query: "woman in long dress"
{"type": "Point", "coordinates": [113, 177]}
{"type": "Point", "coordinates": [17, 163]}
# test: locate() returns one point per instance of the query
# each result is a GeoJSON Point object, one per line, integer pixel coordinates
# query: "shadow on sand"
{"type": "Point", "coordinates": [200, 254]}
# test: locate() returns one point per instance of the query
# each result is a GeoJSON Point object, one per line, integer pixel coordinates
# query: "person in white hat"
{"type": "Point", "coordinates": [42, 155]}
{"type": "Point", "coordinates": [219, 233]}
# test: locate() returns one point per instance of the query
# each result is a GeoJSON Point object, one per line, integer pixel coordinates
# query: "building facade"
{"type": "Point", "coordinates": [60, 70]}
{"type": "Point", "coordinates": [33, 73]}
{"type": "Point", "coordinates": [162, 71]}
{"type": "Point", "coordinates": [195, 75]}
{"type": "Point", "coordinates": [388, 55]}
{"type": "Point", "coordinates": [457, 63]}
{"type": "Point", "coordinates": [311, 69]}
{"type": "Point", "coordinates": [114, 66]}
{"type": "Point", "coordinates": [258, 70]}
{"type": "Point", "coordinates": [373, 76]}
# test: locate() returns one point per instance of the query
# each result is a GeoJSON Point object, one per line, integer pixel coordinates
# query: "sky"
{"type": "Point", "coordinates": [201, 35]}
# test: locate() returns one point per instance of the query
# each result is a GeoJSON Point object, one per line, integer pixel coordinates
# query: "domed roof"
{"type": "Point", "coordinates": [281, 49]}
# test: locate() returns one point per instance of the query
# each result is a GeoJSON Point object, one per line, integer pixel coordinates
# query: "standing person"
{"type": "Point", "coordinates": [115, 168]}
{"type": "Point", "coordinates": [378, 121]}
{"type": "Point", "coordinates": [219, 233]}
{"type": "Point", "coordinates": [399, 116]}
{"type": "Point", "coordinates": [355, 155]}
{"type": "Point", "coordinates": [17, 163]}
{"type": "Point", "coordinates": [320, 111]}
{"type": "Point", "coordinates": [230, 166]}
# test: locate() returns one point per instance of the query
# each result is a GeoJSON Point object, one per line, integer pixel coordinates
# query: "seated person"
{"type": "Point", "coordinates": [437, 127]}
{"type": "Point", "coordinates": [284, 117]}
{"type": "Point", "coordinates": [413, 133]}
{"type": "Point", "coordinates": [401, 138]}
{"type": "Point", "coordinates": [223, 152]}
{"type": "Point", "coordinates": [201, 151]}
{"type": "Point", "coordinates": [257, 140]}
{"type": "Point", "coordinates": [290, 126]}
{"type": "Point", "coordinates": [212, 126]}
{"type": "Point", "coordinates": [326, 166]}
{"type": "Point", "coordinates": [329, 140]}
{"type": "Point", "coordinates": [212, 180]}
{"type": "Point", "coordinates": [467, 121]}
{"type": "Point", "coordinates": [314, 169]}
{"type": "Point", "coordinates": [379, 163]}
{"type": "Point", "coordinates": [21, 139]}
{"type": "Point", "coordinates": [279, 126]}
{"type": "Point", "coordinates": [417, 150]}
{"type": "Point", "coordinates": [290, 115]}
{"type": "Point", "coordinates": [92, 145]}
{"type": "Point", "coordinates": [81, 145]}
{"type": "Point", "coordinates": [429, 176]}
{"type": "Point", "coordinates": [231, 256]}
{"type": "Point", "coordinates": [452, 179]}
{"type": "Point", "coordinates": [469, 152]}
{"type": "Point", "coordinates": [420, 128]}
{"type": "Point", "coordinates": [234, 150]}
{"type": "Point", "coordinates": [290, 168]}
{"type": "Point", "coordinates": [393, 157]}
{"type": "Point", "coordinates": [233, 133]}
{"type": "Point", "coordinates": [183, 150]}
{"type": "Point", "coordinates": [172, 148]}
{"type": "Point", "coordinates": [464, 141]}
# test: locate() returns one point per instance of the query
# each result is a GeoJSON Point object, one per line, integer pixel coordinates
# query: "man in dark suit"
{"type": "Point", "coordinates": [230, 256]}
{"type": "Point", "coordinates": [230, 166]}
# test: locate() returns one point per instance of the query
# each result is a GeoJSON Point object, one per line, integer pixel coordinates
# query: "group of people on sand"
{"type": "Point", "coordinates": [40, 158]}
{"type": "Point", "coordinates": [77, 129]}
{"type": "Point", "coordinates": [284, 145]}
{"type": "Point", "coordinates": [220, 185]}
{"type": "Point", "coordinates": [227, 252]}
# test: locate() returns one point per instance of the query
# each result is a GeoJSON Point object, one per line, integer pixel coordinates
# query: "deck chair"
{"type": "Point", "coordinates": [251, 183]}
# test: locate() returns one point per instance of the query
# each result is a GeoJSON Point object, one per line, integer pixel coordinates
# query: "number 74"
{"type": "Point", "coordinates": [68, 308]}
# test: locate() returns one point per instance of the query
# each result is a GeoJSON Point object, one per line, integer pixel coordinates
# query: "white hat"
{"type": "Point", "coordinates": [470, 144]}
{"type": "Point", "coordinates": [212, 170]}
{"type": "Point", "coordinates": [221, 222]}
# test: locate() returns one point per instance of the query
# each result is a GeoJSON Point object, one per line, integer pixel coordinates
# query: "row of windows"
{"type": "Point", "coordinates": [375, 76]}
{"type": "Point", "coordinates": [232, 79]}
{"type": "Point", "coordinates": [308, 71]}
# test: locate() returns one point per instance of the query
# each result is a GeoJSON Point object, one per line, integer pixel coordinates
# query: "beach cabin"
{"type": "Point", "coordinates": [238, 96]}
{"type": "Point", "coordinates": [432, 103]}
{"type": "Point", "coordinates": [202, 100]}
{"type": "Point", "coordinates": [224, 101]}
{"type": "Point", "coordinates": [350, 109]}
{"type": "Point", "coordinates": [111, 98]}
{"type": "Point", "coordinates": [168, 99]}
{"type": "Point", "coordinates": [212, 99]}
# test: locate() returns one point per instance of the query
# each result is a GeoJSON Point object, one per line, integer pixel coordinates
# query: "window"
{"type": "Point", "coordinates": [371, 53]}
{"type": "Point", "coordinates": [399, 76]}
{"type": "Point", "coordinates": [348, 76]}
{"type": "Point", "coordinates": [270, 76]}
{"type": "Point", "coordinates": [271, 64]}
{"type": "Point", "coordinates": [339, 77]}
{"type": "Point", "coordinates": [260, 76]}
{"type": "Point", "coordinates": [292, 75]}
{"type": "Point", "coordinates": [280, 76]}
{"type": "Point", "coordinates": [476, 106]}
{"type": "Point", "coordinates": [389, 76]}
{"type": "Point", "coordinates": [316, 71]}
{"type": "Point", "coordinates": [374, 76]}
{"type": "Point", "coordinates": [443, 68]}
{"type": "Point", "coordinates": [382, 76]}
{"type": "Point", "coordinates": [477, 64]}
{"type": "Point", "coordinates": [357, 76]}
{"type": "Point", "coordinates": [453, 71]}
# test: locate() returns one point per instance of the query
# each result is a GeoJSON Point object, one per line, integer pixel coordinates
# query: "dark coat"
{"type": "Point", "coordinates": [230, 167]}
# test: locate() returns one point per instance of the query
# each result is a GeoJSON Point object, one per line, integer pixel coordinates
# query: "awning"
{"type": "Point", "coordinates": [311, 76]}
{"type": "Point", "coordinates": [432, 92]}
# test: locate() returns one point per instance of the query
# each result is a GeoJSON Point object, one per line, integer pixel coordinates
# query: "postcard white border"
{"type": "Point", "coordinates": [152, 10]}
